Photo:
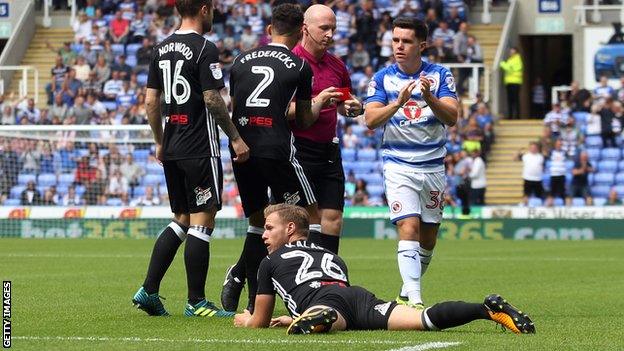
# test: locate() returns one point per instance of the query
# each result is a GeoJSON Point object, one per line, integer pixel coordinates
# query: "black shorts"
{"type": "Point", "coordinates": [533, 188]}
{"type": "Point", "coordinates": [557, 186]}
{"type": "Point", "coordinates": [323, 166]}
{"type": "Point", "coordinates": [194, 185]}
{"type": "Point", "coordinates": [580, 191]}
{"type": "Point", "coordinates": [361, 309]}
{"type": "Point", "coordinates": [286, 179]}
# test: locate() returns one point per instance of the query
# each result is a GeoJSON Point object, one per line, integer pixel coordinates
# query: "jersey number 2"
{"type": "Point", "coordinates": [170, 87]}
{"type": "Point", "coordinates": [327, 265]}
{"type": "Point", "coordinates": [268, 75]}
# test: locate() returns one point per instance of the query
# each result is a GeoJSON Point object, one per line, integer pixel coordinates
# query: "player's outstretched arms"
{"type": "Point", "coordinates": [261, 318]}
{"type": "Point", "coordinates": [152, 107]}
{"type": "Point", "coordinates": [377, 114]}
{"type": "Point", "coordinates": [215, 104]}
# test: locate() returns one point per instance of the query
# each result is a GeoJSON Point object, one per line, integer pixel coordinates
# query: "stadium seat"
{"type": "Point", "coordinates": [535, 201]}
{"type": "Point", "coordinates": [110, 105]}
{"type": "Point", "coordinates": [349, 166]}
{"type": "Point", "coordinates": [375, 190]}
{"type": "Point", "coordinates": [77, 48]}
{"type": "Point", "coordinates": [358, 130]}
{"type": "Point", "coordinates": [24, 178]}
{"type": "Point", "coordinates": [348, 154]}
{"type": "Point", "coordinates": [619, 189]}
{"type": "Point", "coordinates": [83, 152]}
{"type": "Point", "coordinates": [223, 143]}
{"type": "Point", "coordinates": [371, 178]}
{"type": "Point", "coordinates": [154, 168]}
{"type": "Point", "coordinates": [113, 202]}
{"type": "Point", "coordinates": [619, 178]}
{"type": "Point", "coordinates": [578, 201]}
{"type": "Point", "coordinates": [162, 189]}
{"type": "Point", "coordinates": [580, 117]}
{"type": "Point", "coordinates": [367, 155]}
{"type": "Point", "coordinates": [152, 179]}
{"type": "Point", "coordinates": [621, 166]}
{"type": "Point", "coordinates": [593, 154]}
{"type": "Point", "coordinates": [611, 153]}
{"type": "Point", "coordinates": [604, 178]}
{"type": "Point", "coordinates": [226, 156]}
{"type": "Point", "coordinates": [139, 191]}
{"type": "Point", "coordinates": [12, 202]}
{"type": "Point", "coordinates": [141, 155]}
{"type": "Point", "coordinates": [46, 179]}
{"type": "Point", "coordinates": [131, 60]}
{"type": "Point", "coordinates": [61, 189]}
{"type": "Point", "coordinates": [594, 141]}
{"type": "Point", "coordinates": [16, 191]}
{"type": "Point", "coordinates": [80, 190]}
{"type": "Point", "coordinates": [131, 49]}
{"type": "Point", "coordinates": [118, 49]}
{"type": "Point", "coordinates": [558, 201]}
{"type": "Point", "coordinates": [600, 190]}
{"type": "Point", "coordinates": [66, 179]}
{"type": "Point", "coordinates": [569, 164]}
{"type": "Point", "coordinates": [600, 201]}
{"type": "Point", "coordinates": [609, 166]}
{"type": "Point", "coordinates": [365, 166]}
{"type": "Point", "coordinates": [142, 79]}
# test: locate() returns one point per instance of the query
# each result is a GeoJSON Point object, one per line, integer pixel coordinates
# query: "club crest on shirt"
{"type": "Point", "coordinates": [450, 83]}
{"type": "Point", "coordinates": [202, 195]}
{"type": "Point", "coordinates": [371, 88]}
{"type": "Point", "coordinates": [292, 199]}
{"type": "Point", "coordinates": [412, 110]}
{"type": "Point", "coordinates": [396, 207]}
{"type": "Point", "coordinates": [215, 68]}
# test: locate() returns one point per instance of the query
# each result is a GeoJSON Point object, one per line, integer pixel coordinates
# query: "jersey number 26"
{"type": "Point", "coordinates": [327, 265]}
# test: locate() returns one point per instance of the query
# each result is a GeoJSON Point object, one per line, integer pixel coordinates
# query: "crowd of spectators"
{"type": "Point", "coordinates": [99, 77]}
{"type": "Point", "coordinates": [578, 159]}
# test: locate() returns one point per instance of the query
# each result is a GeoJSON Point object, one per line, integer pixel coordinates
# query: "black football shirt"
{"type": "Point", "coordinates": [263, 81]}
{"type": "Point", "coordinates": [183, 66]}
{"type": "Point", "coordinates": [297, 271]}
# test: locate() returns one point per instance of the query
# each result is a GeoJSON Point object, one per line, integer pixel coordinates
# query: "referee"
{"type": "Point", "coordinates": [317, 147]}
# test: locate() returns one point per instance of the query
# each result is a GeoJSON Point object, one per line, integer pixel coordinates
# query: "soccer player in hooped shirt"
{"type": "Point", "coordinates": [314, 285]}
{"type": "Point", "coordinates": [414, 101]}
{"type": "Point", "coordinates": [185, 69]}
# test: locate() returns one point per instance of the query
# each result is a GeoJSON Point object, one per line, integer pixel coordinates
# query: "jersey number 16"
{"type": "Point", "coordinates": [170, 86]}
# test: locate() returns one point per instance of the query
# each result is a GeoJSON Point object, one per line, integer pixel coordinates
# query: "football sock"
{"type": "Point", "coordinates": [425, 259]}
{"type": "Point", "coordinates": [315, 234]}
{"type": "Point", "coordinates": [330, 242]}
{"type": "Point", "coordinates": [255, 251]}
{"type": "Point", "coordinates": [452, 314]}
{"type": "Point", "coordinates": [164, 251]}
{"type": "Point", "coordinates": [196, 260]}
{"type": "Point", "coordinates": [409, 267]}
{"type": "Point", "coordinates": [238, 269]}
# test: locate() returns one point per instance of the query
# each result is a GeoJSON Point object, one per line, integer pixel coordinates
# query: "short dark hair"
{"type": "Point", "coordinates": [190, 8]}
{"type": "Point", "coordinates": [419, 27]}
{"type": "Point", "coordinates": [287, 18]}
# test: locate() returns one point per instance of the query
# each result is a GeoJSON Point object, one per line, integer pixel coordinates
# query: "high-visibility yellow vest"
{"type": "Point", "coordinates": [513, 69]}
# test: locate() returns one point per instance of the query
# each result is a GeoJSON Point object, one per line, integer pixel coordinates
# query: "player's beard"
{"type": "Point", "coordinates": [207, 25]}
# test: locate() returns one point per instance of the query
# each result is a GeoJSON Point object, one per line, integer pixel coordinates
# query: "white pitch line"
{"type": "Point", "coordinates": [285, 341]}
{"type": "Point", "coordinates": [428, 346]}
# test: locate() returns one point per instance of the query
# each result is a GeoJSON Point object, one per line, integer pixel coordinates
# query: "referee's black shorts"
{"type": "Point", "coordinates": [361, 309]}
{"type": "Point", "coordinates": [285, 178]}
{"type": "Point", "coordinates": [194, 185]}
{"type": "Point", "coordinates": [322, 163]}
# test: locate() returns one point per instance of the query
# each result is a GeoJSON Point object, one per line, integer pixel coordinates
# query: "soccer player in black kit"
{"type": "Point", "coordinates": [185, 69]}
{"type": "Point", "coordinates": [314, 285]}
{"type": "Point", "coordinates": [263, 81]}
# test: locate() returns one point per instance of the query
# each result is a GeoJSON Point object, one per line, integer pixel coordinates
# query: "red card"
{"type": "Point", "coordinates": [346, 93]}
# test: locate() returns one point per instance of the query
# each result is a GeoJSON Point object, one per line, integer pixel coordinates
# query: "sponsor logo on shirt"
{"type": "Point", "coordinates": [202, 195]}
{"type": "Point", "coordinates": [292, 199]}
{"type": "Point", "coordinates": [382, 308]}
{"type": "Point", "coordinates": [177, 119]}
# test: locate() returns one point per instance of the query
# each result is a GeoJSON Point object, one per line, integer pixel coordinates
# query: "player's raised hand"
{"type": "Point", "coordinates": [425, 87]}
{"type": "Point", "coordinates": [328, 96]}
{"type": "Point", "coordinates": [353, 106]}
{"type": "Point", "coordinates": [281, 321]}
{"type": "Point", "coordinates": [241, 150]}
{"type": "Point", "coordinates": [406, 93]}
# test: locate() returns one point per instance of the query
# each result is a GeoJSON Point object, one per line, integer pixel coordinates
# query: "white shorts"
{"type": "Point", "coordinates": [411, 193]}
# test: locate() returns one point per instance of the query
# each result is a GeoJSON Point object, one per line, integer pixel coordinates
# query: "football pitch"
{"type": "Point", "coordinates": [75, 295]}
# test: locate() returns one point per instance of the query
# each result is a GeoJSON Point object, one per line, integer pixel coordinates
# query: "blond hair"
{"type": "Point", "coordinates": [290, 213]}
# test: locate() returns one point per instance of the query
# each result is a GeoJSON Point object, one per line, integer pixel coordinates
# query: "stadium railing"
{"type": "Point", "coordinates": [23, 83]}
{"type": "Point", "coordinates": [596, 16]}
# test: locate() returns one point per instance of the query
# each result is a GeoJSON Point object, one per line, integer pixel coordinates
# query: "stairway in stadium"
{"type": "Point", "coordinates": [488, 36]}
{"type": "Point", "coordinates": [42, 58]}
{"type": "Point", "coordinates": [504, 174]}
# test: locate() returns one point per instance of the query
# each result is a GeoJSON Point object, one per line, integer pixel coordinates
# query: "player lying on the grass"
{"type": "Point", "coordinates": [315, 288]}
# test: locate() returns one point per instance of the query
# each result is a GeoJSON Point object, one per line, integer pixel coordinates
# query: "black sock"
{"type": "Point", "coordinates": [196, 260]}
{"type": "Point", "coordinates": [255, 251]}
{"type": "Point", "coordinates": [452, 314]}
{"type": "Point", "coordinates": [314, 236]}
{"type": "Point", "coordinates": [330, 242]}
{"type": "Point", "coordinates": [238, 271]}
{"type": "Point", "coordinates": [164, 251]}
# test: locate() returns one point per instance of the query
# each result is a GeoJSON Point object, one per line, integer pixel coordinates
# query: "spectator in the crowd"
{"type": "Point", "coordinates": [607, 115]}
{"type": "Point", "coordinates": [81, 111]}
{"type": "Point", "coordinates": [108, 53]}
{"type": "Point", "coordinates": [144, 55]}
{"type": "Point", "coordinates": [571, 137]}
{"type": "Point", "coordinates": [618, 120]}
{"type": "Point", "coordinates": [47, 161]}
{"type": "Point", "coordinates": [248, 40]}
{"type": "Point", "coordinates": [138, 28]}
{"type": "Point", "coordinates": [117, 185]}
{"type": "Point", "coordinates": [59, 74]}
{"type": "Point", "coordinates": [10, 164]}
{"type": "Point", "coordinates": [102, 70]}
{"type": "Point", "coordinates": [8, 115]}
{"type": "Point", "coordinates": [127, 8]}
{"type": "Point", "coordinates": [85, 173]}
{"type": "Point", "coordinates": [473, 136]}
{"type": "Point", "coordinates": [96, 106]}
{"type": "Point", "coordinates": [604, 90]}
{"type": "Point", "coordinates": [445, 33]}
{"type": "Point", "coordinates": [557, 172]}
{"type": "Point", "coordinates": [538, 98]}
{"type": "Point", "coordinates": [71, 86]}
{"type": "Point", "coordinates": [119, 28]}
{"type": "Point", "coordinates": [514, 69]}
{"type": "Point", "coordinates": [149, 199]}
{"type": "Point", "coordinates": [478, 180]}
{"type": "Point", "coordinates": [614, 199]}
{"type": "Point", "coordinates": [580, 178]}
{"type": "Point", "coordinates": [30, 196]}
{"type": "Point", "coordinates": [349, 139]}
{"type": "Point", "coordinates": [431, 20]}
{"type": "Point", "coordinates": [89, 54]}
{"type": "Point", "coordinates": [360, 196]}
{"type": "Point", "coordinates": [593, 122]}
{"type": "Point", "coordinates": [82, 27]}
{"type": "Point", "coordinates": [546, 141]}
{"type": "Point", "coordinates": [82, 69]}
{"type": "Point", "coordinates": [67, 54]}
{"type": "Point", "coordinates": [126, 97]}
{"type": "Point", "coordinates": [360, 58]}
{"type": "Point", "coordinates": [30, 112]}
{"type": "Point", "coordinates": [30, 158]}
{"type": "Point", "coordinates": [365, 26]}
{"type": "Point", "coordinates": [460, 42]}
{"type": "Point", "coordinates": [556, 119]}
{"type": "Point", "coordinates": [163, 33]}
{"type": "Point", "coordinates": [579, 99]}
{"type": "Point", "coordinates": [461, 175]}
{"type": "Point", "coordinates": [125, 71]}
{"type": "Point", "coordinates": [113, 87]}
{"type": "Point", "coordinates": [453, 19]}
{"type": "Point", "coordinates": [71, 198]}
{"type": "Point", "coordinates": [384, 40]}
{"type": "Point", "coordinates": [50, 197]}
{"type": "Point", "coordinates": [95, 190]}
{"type": "Point", "coordinates": [486, 123]}
{"type": "Point", "coordinates": [92, 85]}
{"type": "Point", "coordinates": [532, 172]}
{"type": "Point", "coordinates": [473, 53]}
{"type": "Point", "coordinates": [131, 171]}
{"type": "Point", "coordinates": [441, 52]}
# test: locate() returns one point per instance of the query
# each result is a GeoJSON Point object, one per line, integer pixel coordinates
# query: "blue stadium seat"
{"type": "Point", "coordinates": [141, 154]}
{"type": "Point", "coordinates": [61, 189]}
{"type": "Point", "coordinates": [604, 178]}
{"type": "Point", "coordinates": [108, 18]}
{"type": "Point", "coordinates": [367, 155]}
{"type": "Point", "coordinates": [110, 105]}
{"type": "Point", "coordinates": [569, 164]}
{"type": "Point", "coordinates": [348, 166]}
{"type": "Point", "coordinates": [375, 190]}
{"type": "Point", "coordinates": [619, 189]}
{"type": "Point", "coordinates": [142, 79]}
{"type": "Point", "coordinates": [226, 156]}
{"type": "Point", "coordinates": [372, 178]}
{"type": "Point", "coordinates": [593, 141]}
{"type": "Point", "coordinates": [600, 201]}
{"type": "Point", "coordinates": [558, 201]}
{"type": "Point", "coordinates": [580, 117]}
{"type": "Point", "coordinates": [621, 166]}
{"type": "Point", "coordinates": [77, 48]}
{"type": "Point", "coordinates": [619, 178]}
{"type": "Point", "coordinates": [80, 190]}
{"type": "Point", "coordinates": [608, 166]}
{"type": "Point", "coordinates": [223, 143]}
{"type": "Point", "coordinates": [153, 179]}
{"type": "Point", "coordinates": [358, 130]}
{"type": "Point", "coordinates": [12, 202]}
{"type": "Point", "coordinates": [46, 179]}
{"type": "Point", "coordinates": [546, 181]}
{"type": "Point", "coordinates": [365, 166]}
{"type": "Point", "coordinates": [578, 201]}
{"type": "Point", "coordinates": [16, 191]}
{"type": "Point", "coordinates": [154, 168]}
{"type": "Point", "coordinates": [131, 49]}
{"type": "Point", "coordinates": [83, 152]}
{"type": "Point", "coordinates": [162, 189]}
{"type": "Point", "coordinates": [139, 191]}
{"type": "Point", "coordinates": [24, 178]}
{"type": "Point", "coordinates": [348, 154]}
{"type": "Point", "coordinates": [131, 60]}
{"type": "Point", "coordinates": [114, 201]}
{"type": "Point", "coordinates": [66, 179]}
{"type": "Point", "coordinates": [600, 190]}
{"type": "Point", "coordinates": [593, 154]}
{"type": "Point", "coordinates": [118, 49]}
{"type": "Point", "coordinates": [535, 201]}
{"type": "Point", "coordinates": [611, 153]}
{"type": "Point", "coordinates": [42, 189]}
{"type": "Point", "coordinates": [590, 178]}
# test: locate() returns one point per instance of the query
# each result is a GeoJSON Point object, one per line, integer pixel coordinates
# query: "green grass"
{"type": "Point", "coordinates": [75, 295]}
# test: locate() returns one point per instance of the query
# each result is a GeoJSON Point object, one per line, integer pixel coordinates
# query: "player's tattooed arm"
{"type": "Point", "coordinates": [215, 104]}
{"type": "Point", "coordinates": [154, 118]}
